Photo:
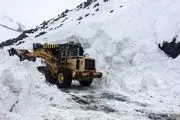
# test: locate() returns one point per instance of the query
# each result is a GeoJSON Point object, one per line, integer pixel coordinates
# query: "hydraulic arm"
{"type": "Point", "coordinates": [49, 59]}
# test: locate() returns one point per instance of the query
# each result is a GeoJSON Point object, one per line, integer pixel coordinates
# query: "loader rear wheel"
{"type": "Point", "coordinates": [64, 79]}
{"type": "Point", "coordinates": [86, 82]}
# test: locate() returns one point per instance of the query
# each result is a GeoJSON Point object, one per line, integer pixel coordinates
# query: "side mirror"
{"type": "Point", "coordinates": [86, 55]}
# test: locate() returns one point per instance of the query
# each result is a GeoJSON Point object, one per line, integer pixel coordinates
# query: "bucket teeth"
{"type": "Point", "coordinates": [11, 51]}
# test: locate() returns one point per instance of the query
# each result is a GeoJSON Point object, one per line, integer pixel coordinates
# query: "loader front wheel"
{"type": "Point", "coordinates": [64, 79]}
{"type": "Point", "coordinates": [86, 82]}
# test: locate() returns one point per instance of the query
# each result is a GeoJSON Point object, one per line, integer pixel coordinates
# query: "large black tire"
{"type": "Point", "coordinates": [86, 82]}
{"type": "Point", "coordinates": [48, 76]}
{"type": "Point", "coordinates": [50, 79]}
{"type": "Point", "coordinates": [64, 79]}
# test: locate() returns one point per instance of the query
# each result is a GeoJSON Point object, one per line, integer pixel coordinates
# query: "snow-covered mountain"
{"type": "Point", "coordinates": [9, 28]}
{"type": "Point", "coordinates": [140, 82]}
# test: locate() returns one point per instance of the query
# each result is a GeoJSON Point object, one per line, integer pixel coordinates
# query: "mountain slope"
{"type": "Point", "coordinates": [9, 28]}
{"type": "Point", "coordinates": [139, 80]}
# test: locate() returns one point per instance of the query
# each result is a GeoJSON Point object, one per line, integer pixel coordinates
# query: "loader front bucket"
{"type": "Point", "coordinates": [12, 52]}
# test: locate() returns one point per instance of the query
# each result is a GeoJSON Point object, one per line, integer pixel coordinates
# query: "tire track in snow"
{"type": "Point", "coordinates": [97, 101]}
{"type": "Point", "coordinates": [13, 106]}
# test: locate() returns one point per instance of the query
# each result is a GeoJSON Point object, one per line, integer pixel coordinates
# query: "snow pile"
{"type": "Point", "coordinates": [123, 36]}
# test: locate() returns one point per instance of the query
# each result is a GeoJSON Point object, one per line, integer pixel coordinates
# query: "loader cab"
{"type": "Point", "coordinates": [75, 49]}
{"type": "Point", "coordinates": [73, 55]}
{"type": "Point", "coordinates": [69, 50]}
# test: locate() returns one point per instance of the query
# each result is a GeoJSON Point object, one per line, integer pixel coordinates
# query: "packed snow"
{"type": "Point", "coordinates": [138, 78]}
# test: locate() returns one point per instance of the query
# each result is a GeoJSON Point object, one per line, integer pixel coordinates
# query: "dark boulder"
{"type": "Point", "coordinates": [172, 49]}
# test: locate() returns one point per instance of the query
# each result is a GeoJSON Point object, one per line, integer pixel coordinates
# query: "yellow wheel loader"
{"type": "Point", "coordinates": [63, 62]}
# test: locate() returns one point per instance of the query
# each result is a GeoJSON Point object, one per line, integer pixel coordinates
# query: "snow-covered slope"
{"type": "Point", "coordinates": [9, 28]}
{"type": "Point", "coordinates": [139, 80]}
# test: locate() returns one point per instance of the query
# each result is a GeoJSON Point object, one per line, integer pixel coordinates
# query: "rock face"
{"type": "Point", "coordinates": [172, 49]}
{"type": "Point", "coordinates": [12, 41]}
